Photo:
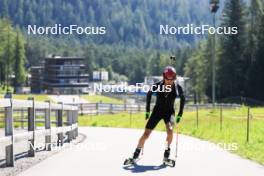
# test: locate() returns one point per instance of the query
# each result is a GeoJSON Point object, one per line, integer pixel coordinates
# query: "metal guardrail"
{"type": "Point", "coordinates": [10, 139]}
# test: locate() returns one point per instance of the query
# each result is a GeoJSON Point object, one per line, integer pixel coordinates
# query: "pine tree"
{"type": "Point", "coordinates": [255, 10]}
{"type": "Point", "coordinates": [256, 84]}
{"type": "Point", "coordinates": [4, 8]}
{"type": "Point", "coordinates": [196, 70]}
{"type": "Point", "coordinates": [156, 65]}
{"type": "Point", "coordinates": [255, 19]}
{"type": "Point", "coordinates": [208, 55]}
{"type": "Point", "coordinates": [19, 64]}
{"type": "Point", "coordinates": [6, 50]}
{"type": "Point", "coordinates": [231, 72]}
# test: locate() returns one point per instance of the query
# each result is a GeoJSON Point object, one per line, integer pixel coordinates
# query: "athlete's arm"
{"type": "Point", "coordinates": [182, 100]}
{"type": "Point", "coordinates": [149, 95]}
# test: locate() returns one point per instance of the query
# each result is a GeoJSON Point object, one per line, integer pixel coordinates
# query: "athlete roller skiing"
{"type": "Point", "coordinates": [163, 110]}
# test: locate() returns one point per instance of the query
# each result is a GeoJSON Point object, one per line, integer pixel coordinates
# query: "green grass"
{"type": "Point", "coordinates": [233, 129]}
{"type": "Point", "coordinates": [37, 97]}
{"type": "Point", "coordinates": [40, 97]}
{"type": "Point", "coordinates": [101, 98]}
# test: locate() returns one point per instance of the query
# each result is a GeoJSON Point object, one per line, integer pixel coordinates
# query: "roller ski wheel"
{"type": "Point", "coordinates": [130, 161]}
{"type": "Point", "coordinates": [169, 162]}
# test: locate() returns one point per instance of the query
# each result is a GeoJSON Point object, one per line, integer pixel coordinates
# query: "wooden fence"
{"type": "Point", "coordinates": [108, 108]}
{"type": "Point", "coordinates": [70, 127]}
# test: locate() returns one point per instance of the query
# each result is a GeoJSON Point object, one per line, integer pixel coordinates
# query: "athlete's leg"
{"type": "Point", "coordinates": [141, 142]}
{"type": "Point", "coordinates": [151, 124]}
{"type": "Point", "coordinates": [169, 129]}
{"type": "Point", "coordinates": [169, 121]}
{"type": "Point", "coordinates": [144, 137]}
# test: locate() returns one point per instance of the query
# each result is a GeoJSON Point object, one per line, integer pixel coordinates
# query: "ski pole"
{"type": "Point", "coordinates": [177, 139]}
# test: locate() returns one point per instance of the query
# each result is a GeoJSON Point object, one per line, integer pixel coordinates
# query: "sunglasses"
{"type": "Point", "coordinates": [169, 79]}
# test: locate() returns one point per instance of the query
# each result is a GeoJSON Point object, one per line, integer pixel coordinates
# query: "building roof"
{"type": "Point", "coordinates": [63, 58]}
{"type": "Point", "coordinates": [36, 67]}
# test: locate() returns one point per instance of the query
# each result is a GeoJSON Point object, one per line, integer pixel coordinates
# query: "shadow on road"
{"type": "Point", "coordinates": [143, 168]}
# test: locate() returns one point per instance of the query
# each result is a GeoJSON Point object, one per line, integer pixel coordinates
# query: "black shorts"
{"type": "Point", "coordinates": [156, 117]}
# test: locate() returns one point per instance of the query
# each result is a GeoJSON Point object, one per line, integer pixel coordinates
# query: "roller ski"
{"type": "Point", "coordinates": [130, 161]}
{"type": "Point", "coordinates": [166, 160]}
{"type": "Point", "coordinates": [134, 159]}
{"type": "Point", "coordinates": [169, 162]}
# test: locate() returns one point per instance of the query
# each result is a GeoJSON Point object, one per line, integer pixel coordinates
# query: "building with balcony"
{"type": "Point", "coordinates": [64, 75]}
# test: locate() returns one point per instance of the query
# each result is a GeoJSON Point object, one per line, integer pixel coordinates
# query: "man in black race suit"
{"type": "Point", "coordinates": [166, 91]}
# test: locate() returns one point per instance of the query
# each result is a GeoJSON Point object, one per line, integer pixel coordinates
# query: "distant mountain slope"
{"type": "Point", "coordinates": [128, 22]}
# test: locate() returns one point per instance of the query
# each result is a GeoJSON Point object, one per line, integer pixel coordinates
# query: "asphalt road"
{"type": "Point", "coordinates": [104, 150]}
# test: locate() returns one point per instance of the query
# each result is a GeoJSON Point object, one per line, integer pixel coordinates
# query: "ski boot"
{"type": "Point", "coordinates": [134, 159]}
{"type": "Point", "coordinates": [166, 160]}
